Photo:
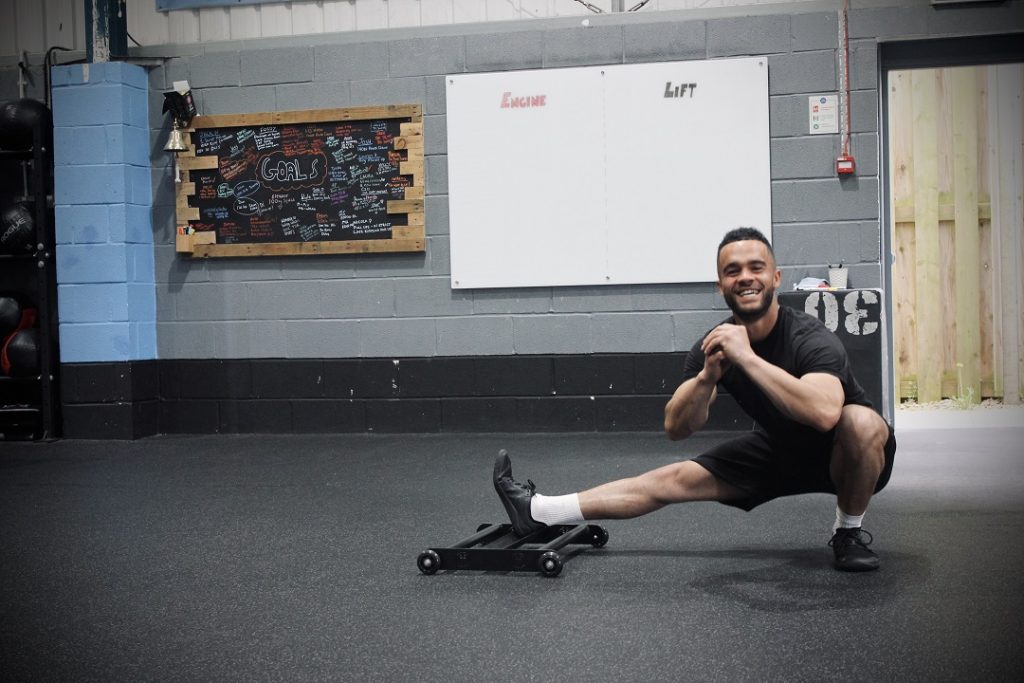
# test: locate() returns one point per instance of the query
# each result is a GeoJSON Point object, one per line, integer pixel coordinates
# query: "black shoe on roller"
{"type": "Point", "coordinates": [851, 550]}
{"type": "Point", "coordinates": [514, 496]}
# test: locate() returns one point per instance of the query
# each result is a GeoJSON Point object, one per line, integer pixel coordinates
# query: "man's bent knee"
{"type": "Point", "coordinates": [861, 429]}
{"type": "Point", "coordinates": [859, 443]}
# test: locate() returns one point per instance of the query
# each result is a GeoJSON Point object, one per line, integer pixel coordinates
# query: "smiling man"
{"type": "Point", "coordinates": [815, 429]}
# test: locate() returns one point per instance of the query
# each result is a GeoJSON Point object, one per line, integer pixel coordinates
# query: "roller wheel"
{"type": "Point", "coordinates": [550, 564]}
{"type": "Point", "coordinates": [599, 536]}
{"type": "Point", "coordinates": [428, 562]}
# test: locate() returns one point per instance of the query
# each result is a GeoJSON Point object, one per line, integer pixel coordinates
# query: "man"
{"type": "Point", "coordinates": [815, 429]}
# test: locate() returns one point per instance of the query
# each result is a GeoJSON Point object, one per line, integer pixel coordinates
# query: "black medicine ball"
{"type": "Point", "coordinates": [20, 355]}
{"type": "Point", "coordinates": [17, 120]}
{"type": "Point", "coordinates": [17, 230]}
{"type": "Point", "coordinates": [10, 316]}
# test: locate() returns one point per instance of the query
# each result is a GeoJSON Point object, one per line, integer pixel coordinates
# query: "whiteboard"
{"type": "Point", "coordinates": [622, 174]}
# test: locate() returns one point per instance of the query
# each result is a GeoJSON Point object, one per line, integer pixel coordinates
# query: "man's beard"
{"type": "Point", "coordinates": [751, 315]}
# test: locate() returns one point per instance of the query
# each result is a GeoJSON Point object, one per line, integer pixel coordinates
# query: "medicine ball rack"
{"type": "Point", "coordinates": [495, 547]}
{"type": "Point", "coordinates": [29, 406]}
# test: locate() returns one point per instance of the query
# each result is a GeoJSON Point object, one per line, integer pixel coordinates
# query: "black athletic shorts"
{"type": "Point", "coordinates": [766, 468]}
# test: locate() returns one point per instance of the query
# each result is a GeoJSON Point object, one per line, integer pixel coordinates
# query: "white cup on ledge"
{"type": "Point", "coordinates": [837, 276]}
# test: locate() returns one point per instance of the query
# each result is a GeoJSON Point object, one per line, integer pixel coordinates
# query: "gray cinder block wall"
{"type": "Point", "coordinates": [401, 306]}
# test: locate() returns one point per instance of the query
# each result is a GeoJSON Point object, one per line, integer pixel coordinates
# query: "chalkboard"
{"type": "Point", "coordinates": [324, 181]}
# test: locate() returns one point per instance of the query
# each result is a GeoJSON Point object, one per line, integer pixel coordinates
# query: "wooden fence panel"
{"type": "Point", "coordinates": [957, 287]}
{"type": "Point", "coordinates": [966, 236]}
{"type": "Point", "coordinates": [927, 280]}
{"type": "Point", "coordinates": [901, 120]}
{"type": "Point", "coordinates": [1006, 85]}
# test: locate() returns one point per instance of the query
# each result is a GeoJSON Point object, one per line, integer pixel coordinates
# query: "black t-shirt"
{"type": "Point", "coordinates": [799, 344]}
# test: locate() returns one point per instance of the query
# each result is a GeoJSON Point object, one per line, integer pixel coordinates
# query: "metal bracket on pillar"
{"type": "Point", "coordinates": [106, 34]}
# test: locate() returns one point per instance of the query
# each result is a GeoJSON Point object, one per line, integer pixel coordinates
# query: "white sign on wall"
{"type": "Point", "coordinates": [822, 114]}
{"type": "Point", "coordinates": [604, 175]}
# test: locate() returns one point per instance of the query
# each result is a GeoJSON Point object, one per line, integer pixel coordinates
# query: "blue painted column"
{"type": "Point", "coordinates": [103, 198]}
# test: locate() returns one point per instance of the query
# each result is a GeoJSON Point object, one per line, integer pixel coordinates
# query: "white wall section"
{"type": "Point", "coordinates": [36, 25]}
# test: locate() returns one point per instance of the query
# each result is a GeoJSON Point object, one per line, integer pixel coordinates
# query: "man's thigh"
{"type": "Point", "coordinates": [750, 463]}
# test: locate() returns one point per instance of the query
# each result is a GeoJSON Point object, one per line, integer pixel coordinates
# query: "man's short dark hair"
{"type": "Point", "coordinates": [744, 233]}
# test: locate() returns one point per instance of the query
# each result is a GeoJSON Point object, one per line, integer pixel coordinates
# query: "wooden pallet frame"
{"type": "Point", "coordinates": [408, 238]}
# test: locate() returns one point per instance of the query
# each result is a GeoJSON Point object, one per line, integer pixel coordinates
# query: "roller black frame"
{"type": "Point", "coordinates": [495, 547]}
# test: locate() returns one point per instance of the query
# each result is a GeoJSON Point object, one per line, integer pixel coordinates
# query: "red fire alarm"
{"type": "Point", "coordinates": [845, 165]}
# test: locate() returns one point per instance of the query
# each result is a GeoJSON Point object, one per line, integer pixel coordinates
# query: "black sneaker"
{"type": "Point", "coordinates": [852, 552]}
{"type": "Point", "coordinates": [514, 496]}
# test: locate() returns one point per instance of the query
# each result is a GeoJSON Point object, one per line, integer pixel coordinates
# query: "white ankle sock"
{"type": "Point", "coordinates": [845, 521]}
{"type": "Point", "coordinates": [556, 509]}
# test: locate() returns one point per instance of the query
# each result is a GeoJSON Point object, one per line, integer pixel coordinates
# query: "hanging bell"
{"type": "Point", "coordinates": [176, 140]}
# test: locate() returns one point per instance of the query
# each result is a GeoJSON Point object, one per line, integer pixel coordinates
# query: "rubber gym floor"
{"type": "Point", "coordinates": [252, 558]}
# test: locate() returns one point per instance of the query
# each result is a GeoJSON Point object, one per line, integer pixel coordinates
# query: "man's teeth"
{"type": "Point", "coordinates": [748, 292]}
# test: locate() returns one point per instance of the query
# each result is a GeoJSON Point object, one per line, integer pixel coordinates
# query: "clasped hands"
{"type": "Point", "coordinates": [725, 345]}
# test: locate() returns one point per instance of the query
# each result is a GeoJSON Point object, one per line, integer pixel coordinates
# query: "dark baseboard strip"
{"type": "Point", "coordinates": [124, 420]}
{"type": "Point", "coordinates": [603, 393]}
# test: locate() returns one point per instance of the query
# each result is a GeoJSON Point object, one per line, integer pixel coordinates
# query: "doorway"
{"type": "Point", "coordinates": [953, 218]}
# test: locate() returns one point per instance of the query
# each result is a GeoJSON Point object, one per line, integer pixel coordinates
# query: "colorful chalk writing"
{"type": "Point", "coordinates": [300, 182]}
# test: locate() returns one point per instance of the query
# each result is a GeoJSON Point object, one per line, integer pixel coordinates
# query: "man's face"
{"type": "Point", "coordinates": [747, 278]}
